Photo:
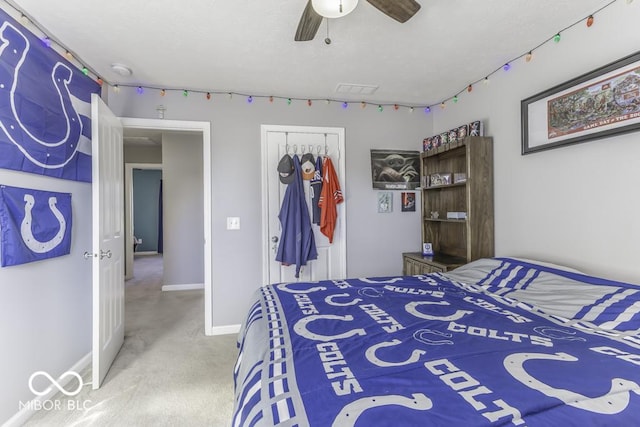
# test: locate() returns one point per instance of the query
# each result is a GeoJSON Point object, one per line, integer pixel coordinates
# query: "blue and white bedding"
{"type": "Point", "coordinates": [496, 342]}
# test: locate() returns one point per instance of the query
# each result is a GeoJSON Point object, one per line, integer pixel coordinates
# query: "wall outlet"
{"type": "Point", "coordinates": [233, 223]}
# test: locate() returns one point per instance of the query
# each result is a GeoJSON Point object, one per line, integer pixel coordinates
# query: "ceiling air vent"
{"type": "Point", "coordinates": [356, 89]}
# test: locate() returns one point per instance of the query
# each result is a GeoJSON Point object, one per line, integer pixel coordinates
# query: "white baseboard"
{"type": "Point", "coordinates": [23, 415]}
{"type": "Point", "coordinates": [184, 287]}
{"type": "Point", "coordinates": [224, 330]}
{"type": "Point", "coordinates": [145, 253]}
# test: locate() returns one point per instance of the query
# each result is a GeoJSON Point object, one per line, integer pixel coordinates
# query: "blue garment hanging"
{"type": "Point", "coordinates": [297, 243]}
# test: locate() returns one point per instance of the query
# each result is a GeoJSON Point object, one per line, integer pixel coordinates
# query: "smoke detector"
{"type": "Point", "coordinates": [121, 69]}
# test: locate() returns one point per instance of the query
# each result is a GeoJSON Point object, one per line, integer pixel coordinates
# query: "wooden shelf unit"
{"type": "Point", "coordinates": [460, 239]}
{"type": "Point", "coordinates": [415, 263]}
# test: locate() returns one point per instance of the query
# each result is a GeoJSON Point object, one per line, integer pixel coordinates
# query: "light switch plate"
{"type": "Point", "coordinates": [233, 223]}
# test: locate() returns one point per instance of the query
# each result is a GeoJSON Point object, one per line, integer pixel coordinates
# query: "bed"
{"type": "Point", "coordinates": [499, 341]}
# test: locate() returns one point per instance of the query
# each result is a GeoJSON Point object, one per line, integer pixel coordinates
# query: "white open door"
{"type": "Point", "coordinates": [108, 238]}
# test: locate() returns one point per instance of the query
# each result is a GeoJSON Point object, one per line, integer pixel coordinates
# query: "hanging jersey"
{"type": "Point", "coordinates": [316, 189]}
{"type": "Point", "coordinates": [330, 197]}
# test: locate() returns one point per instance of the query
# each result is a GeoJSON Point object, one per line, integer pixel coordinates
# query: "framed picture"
{"type": "Point", "coordinates": [395, 169]}
{"type": "Point", "coordinates": [408, 202]}
{"type": "Point", "coordinates": [385, 202]}
{"type": "Point", "coordinates": [601, 103]}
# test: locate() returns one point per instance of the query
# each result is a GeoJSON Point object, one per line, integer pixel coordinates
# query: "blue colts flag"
{"type": "Point", "coordinates": [45, 108]}
{"type": "Point", "coordinates": [34, 225]}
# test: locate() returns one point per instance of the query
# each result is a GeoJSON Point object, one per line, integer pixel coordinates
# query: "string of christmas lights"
{"type": "Point", "coordinates": [50, 41]}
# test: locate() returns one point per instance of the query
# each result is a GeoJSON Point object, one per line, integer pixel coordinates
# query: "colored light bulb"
{"type": "Point", "coordinates": [345, 105]}
{"type": "Point", "coordinates": [163, 92]}
{"type": "Point", "coordinates": [455, 98]}
{"type": "Point", "coordinates": [469, 88]}
{"type": "Point", "coordinates": [590, 21]}
{"type": "Point", "coordinates": [185, 93]}
{"type": "Point", "coordinates": [556, 38]}
{"type": "Point", "coordinates": [506, 67]}
{"type": "Point", "coordinates": [140, 90]}
{"type": "Point", "coordinates": [380, 108]}
{"type": "Point", "coordinates": [249, 99]}
{"type": "Point", "coordinates": [528, 56]}
{"type": "Point", "coordinates": [427, 110]}
{"type": "Point", "coordinates": [208, 96]}
{"type": "Point", "coordinates": [309, 102]}
{"type": "Point", "coordinates": [288, 101]}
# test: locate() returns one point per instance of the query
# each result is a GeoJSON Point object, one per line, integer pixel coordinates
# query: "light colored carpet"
{"type": "Point", "coordinates": [168, 373]}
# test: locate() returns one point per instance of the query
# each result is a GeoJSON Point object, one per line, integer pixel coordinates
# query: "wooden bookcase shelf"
{"type": "Point", "coordinates": [458, 241]}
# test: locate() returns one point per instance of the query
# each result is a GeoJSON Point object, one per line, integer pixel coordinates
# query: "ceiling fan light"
{"type": "Point", "coordinates": [334, 8]}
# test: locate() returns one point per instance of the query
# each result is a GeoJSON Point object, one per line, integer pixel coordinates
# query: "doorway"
{"type": "Point", "coordinates": [204, 130]}
{"type": "Point", "coordinates": [129, 213]}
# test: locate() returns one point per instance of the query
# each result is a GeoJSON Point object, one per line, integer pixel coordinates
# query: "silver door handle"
{"type": "Point", "coordinates": [105, 254]}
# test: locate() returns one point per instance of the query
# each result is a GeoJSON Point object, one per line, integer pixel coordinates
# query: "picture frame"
{"type": "Point", "coordinates": [439, 179]}
{"type": "Point", "coordinates": [408, 201]}
{"type": "Point", "coordinates": [601, 103]}
{"type": "Point", "coordinates": [395, 169]}
{"type": "Point", "coordinates": [385, 202]}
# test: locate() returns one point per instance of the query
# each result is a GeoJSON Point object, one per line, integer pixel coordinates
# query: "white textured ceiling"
{"type": "Point", "coordinates": [247, 46]}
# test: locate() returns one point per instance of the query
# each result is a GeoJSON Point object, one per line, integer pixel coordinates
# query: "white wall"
{"type": "Point", "coordinates": [45, 306]}
{"type": "Point", "coordinates": [576, 205]}
{"type": "Point", "coordinates": [374, 241]}
{"type": "Point", "coordinates": [183, 213]}
{"type": "Point", "coordinates": [142, 154]}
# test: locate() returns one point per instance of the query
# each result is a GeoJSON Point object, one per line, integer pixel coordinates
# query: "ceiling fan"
{"type": "Point", "coordinates": [400, 10]}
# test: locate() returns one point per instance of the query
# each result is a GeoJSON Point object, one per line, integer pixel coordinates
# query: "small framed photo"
{"type": "Point", "coordinates": [385, 202]}
{"type": "Point", "coordinates": [438, 179]}
{"type": "Point", "coordinates": [427, 249]}
{"type": "Point", "coordinates": [453, 136]}
{"type": "Point", "coordinates": [427, 144]}
{"type": "Point", "coordinates": [459, 177]}
{"type": "Point", "coordinates": [408, 202]}
{"type": "Point", "coordinates": [463, 131]}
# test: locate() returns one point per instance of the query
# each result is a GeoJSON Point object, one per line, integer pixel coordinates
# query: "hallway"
{"type": "Point", "coordinates": [167, 372]}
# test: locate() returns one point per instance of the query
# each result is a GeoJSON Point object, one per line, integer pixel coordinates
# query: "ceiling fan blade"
{"type": "Point", "coordinates": [309, 23]}
{"type": "Point", "coordinates": [400, 10]}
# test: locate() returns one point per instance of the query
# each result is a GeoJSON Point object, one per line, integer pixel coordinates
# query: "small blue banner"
{"type": "Point", "coordinates": [34, 225]}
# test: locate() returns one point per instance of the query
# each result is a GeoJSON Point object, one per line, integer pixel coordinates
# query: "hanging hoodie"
{"type": "Point", "coordinates": [297, 244]}
{"type": "Point", "coordinates": [330, 197]}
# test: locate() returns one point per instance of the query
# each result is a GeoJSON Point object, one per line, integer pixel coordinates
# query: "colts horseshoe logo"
{"type": "Point", "coordinates": [27, 234]}
{"type": "Point", "coordinates": [46, 154]}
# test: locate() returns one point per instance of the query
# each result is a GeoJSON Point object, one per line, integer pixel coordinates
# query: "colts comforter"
{"type": "Point", "coordinates": [497, 342]}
